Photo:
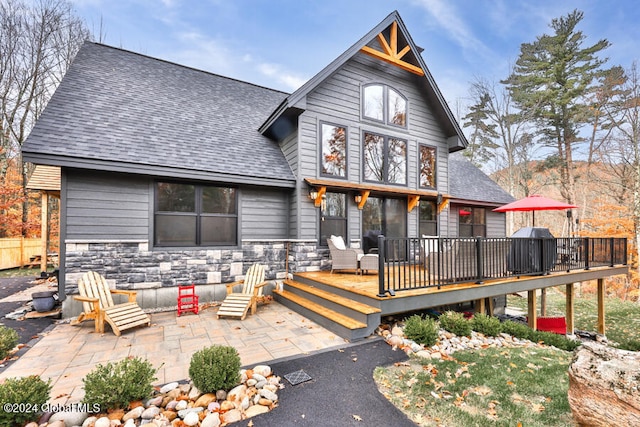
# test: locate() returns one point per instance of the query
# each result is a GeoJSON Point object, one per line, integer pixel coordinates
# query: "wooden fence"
{"type": "Point", "coordinates": [17, 251]}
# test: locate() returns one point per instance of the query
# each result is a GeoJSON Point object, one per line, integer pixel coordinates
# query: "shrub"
{"type": "Point", "coordinates": [8, 340]}
{"type": "Point", "coordinates": [517, 329]}
{"type": "Point", "coordinates": [115, 385]}
{"type": "Point", "coordinates": [421, 330]}
{"type": "Point", "coordinates": [24, 396]}
{"type": "Point", "coordinates": [487, 325]}
{"type": "Point", "coordinates": [215, 368]}
{"type": "Point", "coordinates": [455, 323]}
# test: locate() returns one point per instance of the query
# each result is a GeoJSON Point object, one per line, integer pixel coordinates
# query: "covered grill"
{"type": "Point", "coordinates": [533, 251]}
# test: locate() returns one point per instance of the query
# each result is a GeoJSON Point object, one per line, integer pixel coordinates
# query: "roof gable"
{"type": "Point", "coordinates": [389, 41]}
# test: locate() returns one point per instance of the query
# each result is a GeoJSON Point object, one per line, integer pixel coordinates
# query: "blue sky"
{"type": "Point", "coordinates": [282, 43]}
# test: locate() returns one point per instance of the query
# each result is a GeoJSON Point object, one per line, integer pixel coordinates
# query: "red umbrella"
{"type": "Point", "coordinates": [534, 203]}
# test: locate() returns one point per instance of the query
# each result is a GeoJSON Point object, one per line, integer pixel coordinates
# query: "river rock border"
{"type": "Point", "coordinates": [178, 405]}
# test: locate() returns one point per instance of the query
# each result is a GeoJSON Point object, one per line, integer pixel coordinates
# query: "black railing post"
{"type": "Point", "coordinates": [587, 252]}
{"type": "Point", "coordinates": [382, 291]}
{"type": "Point", "coordinates": [613, 251]}
{"type": "Point", "coordinates": [479, 260]}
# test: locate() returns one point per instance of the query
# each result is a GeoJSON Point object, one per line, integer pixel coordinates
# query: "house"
{"type": "Point", "coordinates": [172, 175]}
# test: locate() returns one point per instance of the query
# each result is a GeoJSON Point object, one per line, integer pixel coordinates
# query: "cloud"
{"type": "Point", "coordinates": [286, 79]}
{"type": "Point", "coordinates": [448, 18]}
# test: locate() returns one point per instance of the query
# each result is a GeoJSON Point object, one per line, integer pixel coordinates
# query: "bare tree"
{"type": "Point", "coordinates": [38, 41]}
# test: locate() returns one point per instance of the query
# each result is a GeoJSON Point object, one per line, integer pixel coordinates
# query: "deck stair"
{"type": "Point", "coordinates": [347, 317]}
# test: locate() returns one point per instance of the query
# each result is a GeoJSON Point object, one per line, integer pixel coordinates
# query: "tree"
{"type": "Point", "coordinates": [38, 41]}
{"type": "Point", "coordinates": [550, 80]}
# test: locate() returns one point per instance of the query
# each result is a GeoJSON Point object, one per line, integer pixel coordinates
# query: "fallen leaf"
{"type": "Point", "coordinates": [357, 417]}
{"type": "Point", "coordinates": [355, 359]}
{"type": "Point", "coordinates": [536, 407]}
{"type": "Point", "coordinates": [250, 424]}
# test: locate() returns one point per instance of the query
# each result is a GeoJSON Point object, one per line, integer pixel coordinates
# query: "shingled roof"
{"type": "Point", "coordinates": [121, 111]}
{"type": "Point", "coordinates": [467, 183]}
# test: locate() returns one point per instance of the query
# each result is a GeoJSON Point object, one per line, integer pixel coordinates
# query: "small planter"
{"type": "Point", "coordinates": [43, 301]}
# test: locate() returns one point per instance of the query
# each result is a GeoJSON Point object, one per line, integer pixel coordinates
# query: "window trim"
{"type": "Point", "coordinates": [385, 105]}
{"type": "Point", "coordinates": [198, 216]}
{"type": "Point", "coordinates": [474, 226]}
{"type": "Point", "coordinates": [385, 143]}
{"type": "Point", "coordinates": [346, 150]}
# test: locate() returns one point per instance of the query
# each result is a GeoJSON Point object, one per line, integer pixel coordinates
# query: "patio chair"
{"type": "Point", "coordinates": [343, 258]}
{"type": "Point", "coordinates": [98, 305]}
{"type": "Point", "coordinates": [237, 304]}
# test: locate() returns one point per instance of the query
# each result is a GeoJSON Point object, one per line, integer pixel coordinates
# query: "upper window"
{"type": "Point", "coordinates": [385, 104]}
{"type": "Point", "coordinates": [195, 215]}
{"type": "Point", "coordinates": [385, 159]}
{"type": "Point", "coordinates": [472, 222]}
{"type": "Point", "coordinates": [427, 166]}
{"type": "Point", "coordinates": [334, 150]}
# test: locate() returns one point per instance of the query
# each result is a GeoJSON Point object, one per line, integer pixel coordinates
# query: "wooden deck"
{"type": "Point", "coordinates": [352, 302]}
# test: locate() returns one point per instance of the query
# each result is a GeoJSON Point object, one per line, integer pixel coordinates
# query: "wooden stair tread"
{"type": "Point", "coordinates": [334, 316]}
{"type": "Point", "coordinates": [346, 302]}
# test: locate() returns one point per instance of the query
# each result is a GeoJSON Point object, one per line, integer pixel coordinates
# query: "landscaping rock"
{"type": "Point", "coordinates": [604, 386]}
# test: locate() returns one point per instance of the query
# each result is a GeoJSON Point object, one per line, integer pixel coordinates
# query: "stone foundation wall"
{"type": "Point", "coordinates": [155, 274]}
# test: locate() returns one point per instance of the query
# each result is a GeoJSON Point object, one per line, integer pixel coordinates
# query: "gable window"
{"type": "Point", "coordinates": [195, 215]}
{"type": "Point", "coordinates": [334, 150]}
{"type": "Point", "coordinates": [385, 159]}
{"type": "Point", "coordinates": [333, 217]}
{"type": "Point", "coordinates": [427, 166]}
{"type": "Point", "coordinates": [384, 104]}
{"type": "Point", "coordinates": [428, 219]}
{"type": "Point", "coordinates": [472, 222]}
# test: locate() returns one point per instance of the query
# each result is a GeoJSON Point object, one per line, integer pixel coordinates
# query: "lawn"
{"type": "Point", "coordinates": [513, 387]}
{"type": "Point", "coordinates": [622, 318]}
{"type": "Point", "coordinates": [19, 272]}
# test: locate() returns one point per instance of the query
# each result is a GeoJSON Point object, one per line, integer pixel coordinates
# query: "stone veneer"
{"type": "Point", "coordinates": [155, 274]}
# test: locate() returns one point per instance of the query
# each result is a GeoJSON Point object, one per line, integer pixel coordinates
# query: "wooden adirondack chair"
{"type": "Point", "coordinates": [98, 305]}
{"type": "Point", "coordinates": [238, 304]}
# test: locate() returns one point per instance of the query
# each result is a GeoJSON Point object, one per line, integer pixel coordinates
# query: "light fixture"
{"type": "Point", "coordinates": [313, 194]}
{"type": "Point", "coordinates": [439, 199]}
{"type": "Point", "coordinates": [357, 198]}
{"type": "Point", "coordinates": [323, 203]}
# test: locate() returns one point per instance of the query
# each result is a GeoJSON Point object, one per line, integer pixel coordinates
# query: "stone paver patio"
{"type": "Point", "coordinates": [67, 353]}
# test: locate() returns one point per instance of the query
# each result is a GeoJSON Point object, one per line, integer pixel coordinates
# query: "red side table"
{"type": "Point", "coordinates": [187, 299]}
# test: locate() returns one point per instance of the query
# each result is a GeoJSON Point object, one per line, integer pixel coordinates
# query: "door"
{"type": "Point", "coordinates": [382, 215]}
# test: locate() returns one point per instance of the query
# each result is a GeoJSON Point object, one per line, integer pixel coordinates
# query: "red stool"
{"type": "Point", "coordinates": [187, 299]}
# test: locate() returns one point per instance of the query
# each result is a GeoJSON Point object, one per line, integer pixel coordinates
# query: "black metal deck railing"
{"type": "Point", "coordinates": [414, 263]}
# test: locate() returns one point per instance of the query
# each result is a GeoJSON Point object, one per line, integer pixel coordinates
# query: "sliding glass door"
{"type": "Point", "coordinates": [383, 216]}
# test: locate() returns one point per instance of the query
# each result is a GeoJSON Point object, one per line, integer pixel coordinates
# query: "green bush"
{"type": "Point", "coordinates": [8, 340]}
{"type": "Point", "coordinates": [115, 385]}
{"type": "Point", "coordinates": [421, 330]}
{"type": "Point", "coordinates": [21, 399]}
{"type": "Point", "coordinates": [455, 323]}
{"type": "Point", "coordinates": [487, 325]}
{"type": "Point", "coordinates": [215, 368]}
{"type": "Point", "coordinates": [517, 329]}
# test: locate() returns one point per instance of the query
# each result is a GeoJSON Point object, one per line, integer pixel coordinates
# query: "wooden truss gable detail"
{"type": "Point", "coordinates": [390, 52]}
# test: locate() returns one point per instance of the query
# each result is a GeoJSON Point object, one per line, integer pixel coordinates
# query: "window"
{"type": "Point", "coordinates": [427, 166]}
{"type": "Point", "coordinates": [385, 216]}
{"type": "Point", "coordinates": [472, 222]}
{"type": "Point", "coordinates": [428, 219]}
{"type": "Point", "coordinates": [333, 218]}
{"type": "Point", "coordinates": [195, 215]}
{"type": "Point", "coordinates": [334, 150]}
{"type": "Point", "coordinates": [384, 104]}
{"type": "Point", "coordinates": [385, 159]}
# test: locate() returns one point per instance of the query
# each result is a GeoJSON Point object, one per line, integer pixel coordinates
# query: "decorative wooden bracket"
{"type": "Point", "coordinates": [364, 194]}
{"type": "Point", "coordinates": [318, 201]}
{"type": "Point", "coordinates": [443, 205]}
{"type": "Point", "coordinates": [412, 202]}
{"type": "Point", "coordinates": [390, 52]}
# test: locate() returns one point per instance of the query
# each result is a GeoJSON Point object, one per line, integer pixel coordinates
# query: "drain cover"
{"type": "Point", "coordinates": [297, 377]}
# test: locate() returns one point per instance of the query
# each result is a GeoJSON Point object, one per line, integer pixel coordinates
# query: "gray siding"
{"type": "Point", "coordinates": [265, 214]}
{"type": "Point", "coordinates": [496, 224]}
{"type": "Point", "coordinates": [337, 100]}
{"type": "Point", "coordinates": [106, 206]}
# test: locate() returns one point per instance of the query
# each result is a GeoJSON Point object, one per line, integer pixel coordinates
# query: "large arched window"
{"type": "Point", "coordinates": [384, 104]}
